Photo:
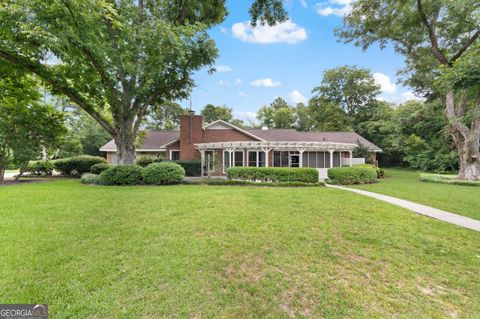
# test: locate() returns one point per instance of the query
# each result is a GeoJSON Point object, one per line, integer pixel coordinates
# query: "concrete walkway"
{"type": "Point", "coordinates": [455, 219]}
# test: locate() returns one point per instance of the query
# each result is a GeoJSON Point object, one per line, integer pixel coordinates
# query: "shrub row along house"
{"type": "Point", "coordinates": [220, 145]}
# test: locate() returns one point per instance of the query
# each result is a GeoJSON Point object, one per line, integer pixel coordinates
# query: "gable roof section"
{"type": "Point", "coordinates": [291, 135]}
{"type": "Point", "coordinates": [221, 124]}
{"type": "Point", "coordinates": [153, 141]}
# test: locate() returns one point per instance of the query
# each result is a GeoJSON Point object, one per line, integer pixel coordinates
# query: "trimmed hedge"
{"type": "Point", "coordinates": [77, 165]}
{"type": "Point", "coordinates": [122, 175]}
{"type": "Point", "coordinates": [99, 168]}
{"type": "Point", "coordinates": [192, 168]}
{"type": "Point", "coordinates": [445, 179]}
{"type": "Point", "coordinates": [144, 160]}
{"type": "Point", "coordinates": [380, 171]}
{"type": "Point", "coordinates": [231, 182]}
{"type": "Point", "coordinates": [360, 174]}
{"type": "Point", "coordinates": [88, 178]}
{"type": "Point", "coordinates": [43, 167]}
{"type": "Point", "coordinates": [273, 174]}
{"type": "Point", "coordinates": [163, 174]}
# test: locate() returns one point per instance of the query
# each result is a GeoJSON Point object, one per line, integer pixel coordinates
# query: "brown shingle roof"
{"type": "Point", "coordinates": [153, 140]}
{"type": "Point", "coordinates": [291, 135]}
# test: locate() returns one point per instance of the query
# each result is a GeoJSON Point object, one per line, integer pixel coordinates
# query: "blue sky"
{"type": "Point", "coordinates": [288, 60]}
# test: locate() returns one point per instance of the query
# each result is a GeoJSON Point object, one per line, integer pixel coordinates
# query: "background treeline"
{"type": "Point", "coordinates": [411, 134]}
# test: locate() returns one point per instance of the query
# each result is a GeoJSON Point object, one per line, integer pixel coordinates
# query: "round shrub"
{"type": "Point", "coordinates": [88, 178]}
{"type": "Point", "coordinates": [163, 173]}
{"type": "Point", "coordinates": [40, 167]}
{"type": "Point", "coordinates": [99, 168]}
{"type": "Point", "coordinates": [121, 175]}
{"type": "Point", "coordinates": [77, 165]}
{"type": "Point", "coordinates": [144, 160]}
{"type": "Point", "coordinates": [361, 174]}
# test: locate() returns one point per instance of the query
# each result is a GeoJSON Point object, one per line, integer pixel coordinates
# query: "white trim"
{"type": "Point", "coordinates": [111, 150]}
{"type": "Point", "coordinates": [213, 160]}
{"type": "Point", "coordinates": [232, 159]}
{"type": "Point", "coordinates": [257, 159]}
{"type": "Point", "coordinates": [175, 150]}
{"type": "Point", "coordinates": [233, 127]}
{"type": "Point", "coordinates": [170, 143]}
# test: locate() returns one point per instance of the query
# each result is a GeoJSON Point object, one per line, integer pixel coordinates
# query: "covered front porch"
{"type": "Point", "coordinates": [217, 157]}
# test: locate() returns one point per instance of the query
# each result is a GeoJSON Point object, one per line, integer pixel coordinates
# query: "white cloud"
{"type": "Point", "coordinates": [303, 3]}
{"type": "Point", "coordinates": [296, 97]}
{"type": "Point", "coordinates": [409, 95]}
{"type": "Point", "coordinates": [286, 32]}
{"type": "Point", "coordinates": [223, 68]}
{"type": "Point", "coordinates": [238, 81]}
{"type": "Point", "coordinates": [223, 30]}
{"type": "Point", "coordinates": [246, 115]}
{"type": "Point", "coordinates": [222, 82]}
{"type": "Point", "coordinates": [243, 94]}
{"type": "Point", "coordinates": [385, 84]}
{"type": "Point", "coordinates": [335, 7]}
{"type": "Point", "coordinates": [265, 83]}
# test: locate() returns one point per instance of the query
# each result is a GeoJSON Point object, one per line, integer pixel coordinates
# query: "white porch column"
{"type": "Point", "coordinates": [351, 155]}
{"type": "Point", "coordinates": [331, 158]}
{"type": "Point", "coordinates": [202, 161]}
{"type": "Point", "coordinates": [266, 151]}
{"type": "Point", "coordinates": [300, 158]}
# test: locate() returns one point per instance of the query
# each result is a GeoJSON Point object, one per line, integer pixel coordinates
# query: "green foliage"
{"type": "Point", "coordinates": [99, 168]}
{"type": "Point", "coordinates": [212, 113]}
{"type": "Point", "coordinates": [359, 174]}
{"type": "Point", "coordinates": [117, 59]}
{"type": "Point", "coordinates": [380, 171]}
{"type": "Point", "coordinates": [277, 115]}
{"type": "Point", "coordinates": [77, 165]}
{"type": "Point", "coordinates": [273, 174]}
{"type": "Point", "coordinates": [268, 11]}
{"type": "Point", "coordinates": [232, 182]}
{"type": "Point", "coordinates": [88, 178]}
{"type": "Point", "coordinates": [349, 87]}
{"type": "Point", "coordinates": [192, 167]}
{"type": "Point", "coordinates": [327, 116]}
{"type": "Point", "coordinates": [447, 179]}
{"type": "Point", "coordinates": [165, 173]}
{"type": "Point", "coordinates": [28, 127]}
{"type": "Point", "coordinates": [122, 175]}
{"type": "Point", "coordinates": [144, 160]}
{"type": "Point", "coordinates": [165, 116]}
{"type": "Point", "coordinates": [43, 167]}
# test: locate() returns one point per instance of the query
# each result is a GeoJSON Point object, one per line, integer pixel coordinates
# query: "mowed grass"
{"type": "Point", "coordinates": [405, 184]}
{"type": "Point", "coordinates": [230, 252]}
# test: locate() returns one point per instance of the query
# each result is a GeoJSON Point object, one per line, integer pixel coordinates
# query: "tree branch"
{"type": "Point", "coordinates": [48, 77]}
{"type": "Point", "coordinates": [432, 35]}
{"type": "Point", "coordinates": [465, 46]}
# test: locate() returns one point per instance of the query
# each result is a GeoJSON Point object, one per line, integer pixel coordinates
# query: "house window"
{"type": "Point", "coordinates": [256, 158]}
{"type": "Point", "coordinates": [210, 161]}
{"type": "Point", "coordinates": [237, 159]}
{"type": "Point", "coordinates": [174, 155]}
{"type": "Point", "coordinates": [280, 159]}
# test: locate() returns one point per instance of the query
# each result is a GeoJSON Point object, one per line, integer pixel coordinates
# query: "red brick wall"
{"type": "Point", "coordinates": [190, 133]}
{"type": "Point", "coordinates": [175, 146]}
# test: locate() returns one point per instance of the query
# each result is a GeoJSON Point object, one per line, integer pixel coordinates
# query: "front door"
{"type": "Point", "coordinates": [294, 160]}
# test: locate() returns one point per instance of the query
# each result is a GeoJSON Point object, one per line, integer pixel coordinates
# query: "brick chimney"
{"type": "Point", "coordinates": [191, 133]}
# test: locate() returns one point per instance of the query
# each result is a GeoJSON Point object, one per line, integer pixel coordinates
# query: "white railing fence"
{"type": "Point", "coordinates": [355, 161]}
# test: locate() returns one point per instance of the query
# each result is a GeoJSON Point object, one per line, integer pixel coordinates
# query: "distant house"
{"type": "Point", "coordinates": [221, 145]}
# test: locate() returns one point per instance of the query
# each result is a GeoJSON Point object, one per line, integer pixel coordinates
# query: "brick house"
{"type": "Point", "coordinates": [220, 145]}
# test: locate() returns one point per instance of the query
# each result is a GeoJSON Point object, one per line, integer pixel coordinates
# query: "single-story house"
{"type": "Point", "coordinates": [221, 145]}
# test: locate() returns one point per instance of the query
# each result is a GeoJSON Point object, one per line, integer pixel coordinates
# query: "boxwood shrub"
{"type": "Point", "coordinates": [144, 160]}
{"type": "Point", "coordinates": [380, 171]}
{"type": "Point", "coordinates": [164, 173]}
{"type": "Point", "coordinates": [121, 175]}
{"type": "Point", "coordinates": [99, 168]}
{"type": "Point", "coordinates": [273, 174]}
{"type": "Point", "coordinates": [43, 167]}
{"type": "Point", "coordinates": [192, 167]}
{"type": "Point", "coordinates": [77, 165]}
{"type": "Point", "coordinates": [88, 178]}
{"type": "Point", "coordinates": [361, 174]}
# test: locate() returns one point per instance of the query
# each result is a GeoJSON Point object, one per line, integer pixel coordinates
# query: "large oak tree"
{"type": "Point", "coordinates": [114, 59]}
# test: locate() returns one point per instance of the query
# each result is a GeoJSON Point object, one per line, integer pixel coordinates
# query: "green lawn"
{"type": "Point", "coordinates": [230, 252]}
{"type": "Point", "coordinates": [402, 183]}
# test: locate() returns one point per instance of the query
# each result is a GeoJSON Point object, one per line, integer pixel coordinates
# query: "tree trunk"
{"type": "Point", "coordinates": [466, 139]}
{"type": "Point", "coordinates": [2, 174]}
{"type": "Point", "coordinates": [125, 141]}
